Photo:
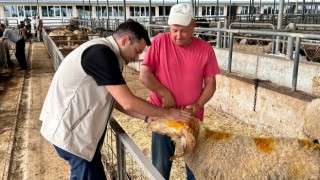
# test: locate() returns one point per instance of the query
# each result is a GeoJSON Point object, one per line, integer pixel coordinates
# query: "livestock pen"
{"type": "Point", "coordinates": [130, 123]}
{"type": "Point", "coordinates": [122, 157]}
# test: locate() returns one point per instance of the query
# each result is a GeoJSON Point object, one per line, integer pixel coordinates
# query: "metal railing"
{"type": "Point", "coordinates": [123, 158]}
{"type": "Point", "coordinates": [266, 18]}
{"type": "Point", "coordinates": [294, 40]}
{"type": "Point", "coordinates": [11, 22]}
{"type": "Point", "coordinates": [55, 54]}
{"type": "Point", "coordinates": [231, 33]}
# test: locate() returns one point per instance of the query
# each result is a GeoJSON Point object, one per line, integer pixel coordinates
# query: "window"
{"type": "Point", "coordinates": [104, 11]}
{"type": "Point", "coordinates": [137, 11]}
{"type": "Point", "coordinates": [11, 11]}
{"type": "Point", "coordinates": [131, 11]}
{"type": "Point", "coordinates": [211, 10]}
{"type": "Point", "coordinates": [7, 12]}
{"type": "Point", "coordinates": [51, 11]}
{"type": "Point", "coordinates": [57, 11]}
{"type": "Point", "coordinates": [208, 10]}
{"type": "Point", "coordinates": [113, 11]}
{"type": "Point", "coordinates": [244, 10]}
{"type": "Point", "coordinates": [164, 11]}
{"type": "Point", "coordinates": [256, 10]}
{"type": "Point", "coordinates": [153, 11]}
{"type": "Point", "coordinates": [44, 10]}
{"type": "Point", "coordinates": [63, 11]}
{"type": "Point", "coordinates": [20, 11]}
{"type": "Point", "coordinates": [34, 10]}
{"type": "Point", "coordinates": [276, 10]}
{"type": "Point", "coordinates": [28, 11]}
{"type": "Point", "coordinates": [141, 11]}
{"type": "Point", "coordinates": [84, 13]}
{"type": "Point", "coordinates": [110, 11]}
{"type": "Point", "coordinates": [221, 11]}
{"type": "Point", "coordinates": [288, 9]}
{"type": "Point", "coordinates": [270, 10]}
{"type": "Point", "coordinates": [121, 11]}
{"type": "Point", "coordinates": [308, 9]}
{"type": "Point", "coordinates": [267, 9]}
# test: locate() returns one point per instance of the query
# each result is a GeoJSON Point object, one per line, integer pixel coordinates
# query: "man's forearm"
{"type": "Point", "coordinates": [206, 95]}
{"type": "Point", "coordinates": [207, 92]}
{"type": "Point", "coordinates": [130, 113]}
{"type": "Point", "coordinates": [148, 79]}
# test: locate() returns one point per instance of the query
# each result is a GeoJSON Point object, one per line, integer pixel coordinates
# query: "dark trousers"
{"type": "Point", "coordinates": [82, 169]}
{"type": "Point", "coordinates": [162, 149]}
{"type": "Point", "coordinates": [9, 62]}
{"type": "Point", "coordinates": [20, 53]}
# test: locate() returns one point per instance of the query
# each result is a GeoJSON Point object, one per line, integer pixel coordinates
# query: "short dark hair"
{"type": "Point", "coordinates": [134, 30]}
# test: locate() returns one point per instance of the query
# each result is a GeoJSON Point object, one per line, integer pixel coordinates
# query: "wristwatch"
{"type": "Point", "coordinates": [146, 119]}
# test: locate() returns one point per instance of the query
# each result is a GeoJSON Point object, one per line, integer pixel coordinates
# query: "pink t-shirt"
{"type": "Point", "coordinates": [181, 69]}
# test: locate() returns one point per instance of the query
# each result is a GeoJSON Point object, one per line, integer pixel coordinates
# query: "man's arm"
{"type": "Point", "coordinates": [148, 79]}
{"type": "Point", "coordinates": [130, 113]}
{"type": "Point", "coordinates": [134, 105]}
{"type": "Point", "coordinates": [207, 93]}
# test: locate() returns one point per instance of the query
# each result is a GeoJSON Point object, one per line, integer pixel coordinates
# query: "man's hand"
{"type": "Point", "coordinates": [168, 100]}
{"type": "Point", "coordinates": [178, 115]}
{"type": "Point", "coordinates": [174, 114]}
{"type": "Point", "coordinates": [195, 107]}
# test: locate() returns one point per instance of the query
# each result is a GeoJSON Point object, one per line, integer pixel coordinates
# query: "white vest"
{"type": "Point", "coordinates": [76, 110]}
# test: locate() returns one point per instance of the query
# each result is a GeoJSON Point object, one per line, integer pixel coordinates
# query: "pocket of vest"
{"type": "Point", "coordinates": [79, 120]}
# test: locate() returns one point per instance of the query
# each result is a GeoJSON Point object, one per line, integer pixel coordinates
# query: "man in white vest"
{"type": "Point", "coordinates": [86, 87]}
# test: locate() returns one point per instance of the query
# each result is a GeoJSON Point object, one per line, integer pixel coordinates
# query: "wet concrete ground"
{"type": "Point", "coordinates": [24, 153]}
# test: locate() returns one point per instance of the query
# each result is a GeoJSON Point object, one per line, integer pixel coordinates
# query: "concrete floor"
{"type": "Point", "coordinates": [25, 154]}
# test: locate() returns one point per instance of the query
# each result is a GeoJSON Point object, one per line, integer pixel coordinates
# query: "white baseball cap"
{"type": "Point", "coordinates": [180, 14]}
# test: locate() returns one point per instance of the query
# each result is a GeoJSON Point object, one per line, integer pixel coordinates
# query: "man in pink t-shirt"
{"type": "Point", "coordinates": [179, 70]}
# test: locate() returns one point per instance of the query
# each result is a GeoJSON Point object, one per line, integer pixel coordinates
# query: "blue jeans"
{"type": "Point", "coordinates": [82, 169]}
{"type": "Point", "coordinates": [162, 149]}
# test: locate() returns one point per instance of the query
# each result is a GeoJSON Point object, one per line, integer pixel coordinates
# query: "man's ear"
{"type": "Point", "coordinates": [124, 40]}
{"type": "Point", "coordinates": [193, 23]}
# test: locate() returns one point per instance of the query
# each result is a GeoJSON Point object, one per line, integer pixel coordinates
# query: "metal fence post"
{"type": "Point", "coordinates": [296, 65]}
{"type": "Point", "coordinates": [225, 33]}
{"type": "Point", "coordinates": [290, 42]}
{"type": "Point", "coordinates": [219, 35]}
{"type": "Point", "coordinates": [230, 52]}
{"type": "Point", "coordinates": [121, 158]}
